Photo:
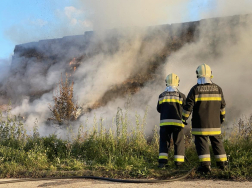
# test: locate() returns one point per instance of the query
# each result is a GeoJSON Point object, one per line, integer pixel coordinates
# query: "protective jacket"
{"type": "Point", "coordinates": [170, 108]}
{"type": "Point", "coordinates": [208, 106]}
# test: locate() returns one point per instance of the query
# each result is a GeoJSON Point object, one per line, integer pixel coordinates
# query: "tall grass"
{"type": "Point", "coordinates": [122, 150]}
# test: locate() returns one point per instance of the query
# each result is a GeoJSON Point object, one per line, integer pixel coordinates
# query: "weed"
{"type": "Point", "coordinates": [120, 151]}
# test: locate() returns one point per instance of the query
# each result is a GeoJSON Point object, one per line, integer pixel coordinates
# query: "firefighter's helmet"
{"type": "Point", "coordinates": [172, 80]}
{"type": "Point", "coordinates": [204, 71]}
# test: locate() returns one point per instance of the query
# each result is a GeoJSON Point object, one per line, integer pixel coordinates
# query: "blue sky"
{"type": "Point", "coordinates": [24, 21]}
{"type": "Point", "coordinates": [13, 12]}
{"type": "Point", "coordinates": [29, 16]}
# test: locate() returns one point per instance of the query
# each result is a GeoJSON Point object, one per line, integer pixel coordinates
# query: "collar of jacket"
{"type": "Point", "coordinates": [204, 80]}
{"type": "Point", "coordinates": [171, 88]}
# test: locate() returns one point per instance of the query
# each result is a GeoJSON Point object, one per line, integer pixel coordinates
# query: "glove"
{"type": "Point", "coordinates": [184, 122]}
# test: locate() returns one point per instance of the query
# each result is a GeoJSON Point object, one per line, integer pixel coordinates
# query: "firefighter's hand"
{"type": "Point", "coordinates": [184, 122]}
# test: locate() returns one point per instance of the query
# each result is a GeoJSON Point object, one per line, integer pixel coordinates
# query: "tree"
{"type": "Point", "coordinates": [64, 108]}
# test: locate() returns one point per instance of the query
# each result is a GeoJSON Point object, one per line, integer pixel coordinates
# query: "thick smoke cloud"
{"type": "Point", "coordinates": [105, 70]}
{"type": "Point", "coordinates": [4, 67]}
{"type": "Point", "coordinates": [226, 51]}
{"type": "Point", "coordinates": [119, 13]}
{"type": "Point", "coordinates": [4, 70]}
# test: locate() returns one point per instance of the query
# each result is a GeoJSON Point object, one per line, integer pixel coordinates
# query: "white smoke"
{"type": "Point", "coordinates": [119, 13]}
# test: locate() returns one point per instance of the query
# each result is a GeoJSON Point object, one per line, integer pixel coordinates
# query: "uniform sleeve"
{"type": "Point", "coordinates": [184, 100]}
{"type": "Point", "coordinates": [222, 110]}
{"type": "Point", "coordinates": [188, 107]}
{"type": "Point", "coordinates": [158, 107]}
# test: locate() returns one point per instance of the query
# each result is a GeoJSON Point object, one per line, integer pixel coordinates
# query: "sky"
{"type": "Point", "coordinates": [23, 21]}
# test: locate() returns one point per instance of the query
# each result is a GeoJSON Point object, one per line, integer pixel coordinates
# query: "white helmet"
{"type": "Point", "coordinates": [204, 71]}
{"type": "Point", "coordinates": [172, 80]}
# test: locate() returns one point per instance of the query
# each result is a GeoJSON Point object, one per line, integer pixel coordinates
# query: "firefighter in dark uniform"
{"type": "Point", "coordinates": [170, 106]}
{"type": "Point", "coordinates": [207, 103]}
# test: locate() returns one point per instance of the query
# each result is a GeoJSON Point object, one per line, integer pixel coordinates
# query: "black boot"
{"type": "Point", "coordinates": [204, 169]}
{"type": "Point", "coordinates": [162, 165]}
{"type": "Point", "coordinates": [179, 165]}
{"type": "Point", "coordinates": [222, 165]}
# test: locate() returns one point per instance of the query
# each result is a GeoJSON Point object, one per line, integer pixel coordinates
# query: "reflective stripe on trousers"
{"type": "Point", "coordinates": [163, 156]}
{"type": "Point", "coordinates": [204, 158]}
{"type": "Point", "coordinates": [221, 158]}
{"type": "Point", "coordinates": [179, 158]}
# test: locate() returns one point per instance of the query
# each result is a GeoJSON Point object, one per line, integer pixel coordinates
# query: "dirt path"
{"type": "Point", "coordinates": [73, 183]}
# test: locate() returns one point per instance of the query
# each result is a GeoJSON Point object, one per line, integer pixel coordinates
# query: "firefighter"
{"type": "Point", "coordinates": [170, 106]}
{"type": "Point", "coordinates": [207, 103]}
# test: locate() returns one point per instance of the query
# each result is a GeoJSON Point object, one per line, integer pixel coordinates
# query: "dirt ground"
{"type": "Point", "coordinates": [76, 183]}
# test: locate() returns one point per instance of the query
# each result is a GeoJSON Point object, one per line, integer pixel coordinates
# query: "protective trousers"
{"type": "Point", "coordinates": [202, 147]}
{"type": "Point", "coordinates": [166, 133]}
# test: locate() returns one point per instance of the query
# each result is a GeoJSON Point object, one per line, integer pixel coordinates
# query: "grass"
{"type": "Point", "coordinates": [123, 151]}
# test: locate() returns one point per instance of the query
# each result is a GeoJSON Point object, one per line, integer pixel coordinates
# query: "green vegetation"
{"type": "Point", "coordinates": [122, 151]}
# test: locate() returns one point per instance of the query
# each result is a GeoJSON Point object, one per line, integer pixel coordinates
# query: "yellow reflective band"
{"type": "Point", "coordinates": [221, 159]}
{"type": "Point", "coordinates": [208, 99]}
{"type": "Point", "coordinates": [186, 115]}
{"type": "Point", "coordinates": [163, 157]}
{"type": "Point", "coordinates": [172, 123]}
{"type": "Point", "coordinates": [179, 159]}
{"type": "Point", "coordinates": [206, 132]}
{"type": "Point", "coordinates": [204, 159]}
{"type": "Point", "coordinates": [170, 100]}
{"type": "Point", "coordinates": [223, 113]}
